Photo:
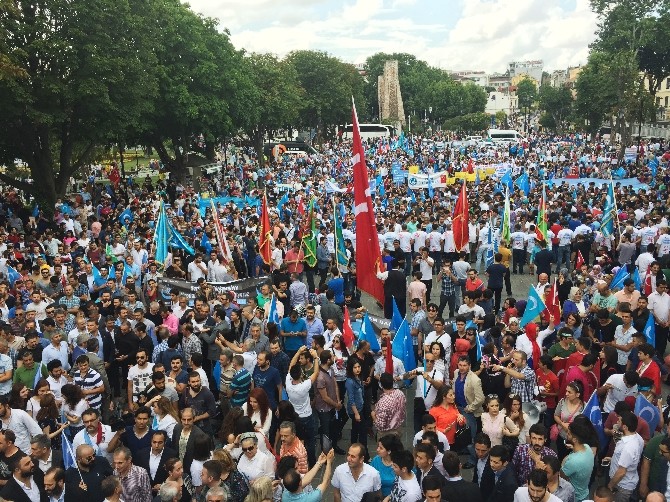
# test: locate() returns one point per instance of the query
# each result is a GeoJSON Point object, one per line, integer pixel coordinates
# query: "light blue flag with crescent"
{"type": "Point", "coordinates": [126, 215]}
{"type": "Point", "coordinates": [593, 413]}
{"type": "Point", "coordinates": [380, 186]}
{"type": "Point", "coordinates": [273, 315]}
{"type": "Point", "coordinates": [523, 182]}
{"type": "Point", "coordinates": [621, 275]}
{"type": "Point", "coordinates": [397, 319]}
{"type": "Point", "coordinates": [636, 279]}
{"type": "Point", "coordinates": [534, 307]}
{"type": "Point", "coordinates": [644, 409]}
{"type": "Point", "coordinates": [12, 275]}
{"type": "Point", "coordinates": [402, 348]}
{"type": "Point", "coordinates": [650, 331]}
{"type": "Point", "coordinates": [368, 334]}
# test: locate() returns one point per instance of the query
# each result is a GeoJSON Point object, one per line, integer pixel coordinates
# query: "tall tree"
{"type": "Point", "coordinates": [205, 87]}
{"type": "Point", "coordinates": [557, 102]}
{"type": "Point", "coordinates": [278, 97]}
{"type": "Point", "coordinates": [82, 78]}
{"type": "Point", "coordinates": [328, 86]}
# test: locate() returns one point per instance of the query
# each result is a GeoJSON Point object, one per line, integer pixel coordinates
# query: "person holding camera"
{"type": "Point", "coordinates": [448, 290]}
{"type": "Point", "coordinates": [428, 382]}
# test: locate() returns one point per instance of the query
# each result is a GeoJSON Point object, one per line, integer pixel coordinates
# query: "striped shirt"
{"type": "Point", "coordinates": [191, 345]}
{"type": "Point", "coordinates": [90, 380]}
{"type": "Point", "coordinates": [241, 384]}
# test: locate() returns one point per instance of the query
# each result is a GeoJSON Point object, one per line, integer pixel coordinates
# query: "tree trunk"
{"type": "Point", "coordinates": [174, 165]}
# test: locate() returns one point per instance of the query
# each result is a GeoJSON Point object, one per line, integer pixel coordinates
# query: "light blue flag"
{"type": "Point", "coordinates": [523, 182]}
{"type": "Point", "coordinates": [397, 319]}
{"type": "Point", "coordinates": [470, 324]}
{"type": "Point", "coordinates": [644, 409]}
{"type": "Point", "coordinates": [204, 243]}
{"type": "Point", "coordinates": [534, 307]}
{"type": "Point", "coordinates": [126, 215]}
{"type": "Point", "coordinates": [38, 375]}
{"type": "Point", "coordinates": [368, 334]}
{"type": "Point", "coordinates": [98, 279]}
{"type": "Point", "coordinates": [161, 236]}
{"type": "Point", "coordinates": [477, 179]}
{"type": "Point", "coordinates": [650, 331]}
{"type": "Point", "coordinates": [489, 251]}
{"type": "Point", "coordinates": [280, 205]}
{"type": "Point", "coordinates": [431, 192]}
{"type": "Point", "coordinates": [478, 341]}
{"type": "Point", "coordinates": [507, 180]}
{"type": "Point", "coordinates": [593, 413]}
{"type": "Point", "coordinates": [12, 275]}
{"type": "Point", "coordinates": [621, 275]}
{"type": "Point", "coordinates": [636, 279]}
{"type": "Point", "coordinates": [609, 213]}
{"type": "Point", "coordinates": [273, 315]}
{"type": "Point", "coordinates": [380, 186]}
{"type": "Point", "coordinates": [402, 347]}
{"type": "Point", "coordinates": [68, 453]}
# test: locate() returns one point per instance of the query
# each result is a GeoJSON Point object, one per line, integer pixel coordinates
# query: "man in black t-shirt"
{"type": "Point", "coordinates": [604, 325]}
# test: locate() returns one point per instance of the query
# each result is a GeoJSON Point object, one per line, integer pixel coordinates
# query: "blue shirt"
{"type": "Point", "coordinates": [355, 392]}
{"type": "Point", "coordinates": [313, 496]}
{"type": "Point", "coordinates": [6, 365]}
{"type": "Point", "coordinates": [337, 285]}
{"type": "Point", "coordinates": [268, 380]}
{"type": "Point", "coordinates": [385, 473]}
{"type": "Point", "coordinates": [293, 343]}
{"type": "Point", "coordinates": [459, 389]}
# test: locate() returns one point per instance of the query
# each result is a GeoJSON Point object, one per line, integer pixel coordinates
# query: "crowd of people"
{"type": "Point", "coordinates": [115, 387]}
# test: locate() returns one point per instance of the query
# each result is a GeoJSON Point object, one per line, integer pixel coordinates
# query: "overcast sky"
{"type": "Point", "coordinates": [451, 34]}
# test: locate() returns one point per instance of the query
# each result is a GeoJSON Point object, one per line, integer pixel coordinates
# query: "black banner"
{"type": "Point", "coordinates": [243, 288]}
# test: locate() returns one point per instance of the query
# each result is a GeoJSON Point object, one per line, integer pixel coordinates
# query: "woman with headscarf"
{"type": "Point", "coordinates": [531, 341]}
{"type": "Point", "coordinates": [563, 285]}
{"type": "Point", "coordinates": [574, 304]}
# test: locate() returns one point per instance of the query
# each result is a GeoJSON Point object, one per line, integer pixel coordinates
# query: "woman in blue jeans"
{"type": "Point", "coordinates": [354, 387]}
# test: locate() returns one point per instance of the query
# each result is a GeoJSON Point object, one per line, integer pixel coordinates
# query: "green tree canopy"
{"type": "Point", "coordinates": [557, 103]}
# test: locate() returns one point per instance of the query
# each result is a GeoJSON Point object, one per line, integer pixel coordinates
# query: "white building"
{"type": "Point", "coordinates": [531, 68]}
{"type": "Point", "coordinates": [501, 101]}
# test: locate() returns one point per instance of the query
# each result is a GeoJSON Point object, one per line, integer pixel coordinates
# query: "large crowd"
{"type": "Point", "coordinates": [116, 387]}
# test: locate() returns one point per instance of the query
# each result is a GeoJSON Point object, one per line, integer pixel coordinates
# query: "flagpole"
{"type": "Point", "coordinates": [616, 213]}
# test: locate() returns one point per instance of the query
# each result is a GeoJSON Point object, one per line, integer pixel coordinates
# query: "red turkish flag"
{"type": "Point", "coordinates": [552, 303]}
{"type": "Point", "coordinates": [459, 224]}
{"type": "Point", "coordinates": [580, 260]}
{"type": "Point", "coordinates": [471, 166]}
{"type": "Point", "coordinates": [264, 243]}
{"type": "Point", "coordinates": [368, 256]}
{"type": "Point", "coordinates": [347, 330]}
{"type": "Point", "coordinates": [389, 357]}
{"type": "Point", "coordinates": [647, 282]}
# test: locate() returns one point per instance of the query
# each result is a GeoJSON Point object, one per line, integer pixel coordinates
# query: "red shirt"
{"type": "Point", "coordinates": [653, 372]}
{"type": "Point", "coordinates": [550, 383]}
{"type": "Point", "coordinates": [474, 285]}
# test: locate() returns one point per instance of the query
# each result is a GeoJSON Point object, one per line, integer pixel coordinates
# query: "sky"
{"type": "Point", "coordinates": [450, 34]}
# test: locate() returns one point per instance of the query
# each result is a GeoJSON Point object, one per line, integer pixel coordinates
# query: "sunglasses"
{"type": "Point", "coordinates": [248, 448]}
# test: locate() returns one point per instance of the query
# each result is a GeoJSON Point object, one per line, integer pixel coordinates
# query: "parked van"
{"type": "Point", "coordinates": [504, 136]}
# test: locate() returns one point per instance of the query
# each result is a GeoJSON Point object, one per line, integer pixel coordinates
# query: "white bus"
{"type": "Point", "coordinates": [504, 136]}
{"type": "Point", "coordinates": [370, 131]}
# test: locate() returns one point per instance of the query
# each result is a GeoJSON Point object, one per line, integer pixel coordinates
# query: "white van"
{"type": "Point", "coordinates": [504, 136]}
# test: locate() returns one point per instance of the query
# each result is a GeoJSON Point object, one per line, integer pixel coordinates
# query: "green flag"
{"type": "Point", "coordinates": [309, 236]}
{"type": "Point", "coordinates": [340, 249]}
{"type": "Point", "coordinates": [110, 253]}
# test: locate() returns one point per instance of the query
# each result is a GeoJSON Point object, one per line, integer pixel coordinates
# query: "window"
{"type": "Point", "coordinates": [667, 83]}
{"type": "Point", "coordinates": [666, 101]}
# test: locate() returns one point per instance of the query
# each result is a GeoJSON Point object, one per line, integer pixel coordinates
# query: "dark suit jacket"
{"type": "Point", "coordinates": [486, 483]}
{"type": "Point", "coordinates": [504, 489]}
{"type": "Point", "coordinates": [12, 491]}
{"type": "Point", "coordinates": [461, 490]}
{"type": "Point", "coordinates": [142, 460]}
{"type": "Point", "coordinates": [56, 459]}
{"type": "Point", "coordinates": [190, 445]}
{"type": "Point", "coordinates": [108, 347]}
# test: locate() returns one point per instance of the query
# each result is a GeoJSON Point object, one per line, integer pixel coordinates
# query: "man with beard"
{"type": "Point", "coordinates": [26, 483]}
{"type": "Point", "coordinates": [83, 482]}
{"type": "Point", "coordinates": [54, 484]}
{"type": "Point", "coordinates": [8, 454]}
{"type": "Point", "coordinates": [529, 456]}
{"type": "Point", "coordinates": [96, 435]}
{"type": "Point", "coordinates": [201, 401]}
{"type": "Point", "coordinates": [268, 378]}
{"type": "Point", "coordinates": [536, 491]}
{"type": "Point", "coordinates": [135, 437]}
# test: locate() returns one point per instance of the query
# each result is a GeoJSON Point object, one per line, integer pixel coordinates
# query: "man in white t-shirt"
{"type": "Point", "coordinates": [139, 376]}
{"type": "Point", "coordinates": [95, 434]}
{"type": "Point", "coordinates": [406, 487]}
{"type": "Point", "coordinates": [298, 394]}
{"type": "Point", "coordinates": [536, 491]}
{"type": "Point", "coordinates": [354, 478]}
{"type": "Point", "coordinates": [618, 387]}
{"type": "Point", "coordinates": [428, 381]}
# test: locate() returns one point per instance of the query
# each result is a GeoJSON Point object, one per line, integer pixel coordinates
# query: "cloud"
{"type": "Point", "coordinates": [458, 34]}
